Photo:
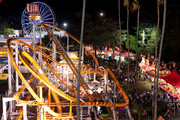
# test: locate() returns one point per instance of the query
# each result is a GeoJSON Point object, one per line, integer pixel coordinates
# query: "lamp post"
{"type": "Point", "coordinates": [67, 50]}
{"type": "Point", "coordinates": [101, 14]}
{"type": "Point", "coordinates": [65, 25]}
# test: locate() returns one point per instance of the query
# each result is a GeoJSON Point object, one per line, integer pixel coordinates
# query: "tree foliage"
{"type": "Point", "coordinates": [132, 42]}
{"type": "Point", "coordinates": [6, 30]}
{"type": "Point", "coordinates": [104, 31]}
{"type": "Point", "coordinates": [99, 34]}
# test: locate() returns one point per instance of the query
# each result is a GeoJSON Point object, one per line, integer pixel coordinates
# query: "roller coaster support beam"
{"type": "Point", "coordinates": [62, 48]}
{"type": "Point", "coordinates": [114, 113]}
{"type": "Point", "coordinates": [129, 113]}
{"type": "Point", "coordinates": [67, 43]}
{"type": "Point", "coordinates": [54, 57]}
{"type": "Point", "coordinates": [40, 42]}
{"type": "Point", "coordinates": [34, 37]}
{"type": "Point", "coordinates": [105, 80]}
{"type": "Point", "coordinates": [5, 100]}
{"type": "Point", "coordinates": [67, 65]}
{"type": "Point", "coordinates": [115, 93]}
{"type": "Point", "coordinates": [17, 80]}
{"type": "Point", "coordinates": [95, 72]}
{"type": "Point", "coordinates": [9, 76]}
{"type": "Point", "coordinates": [24, 110]}
{"type": "Point", "coordinates": [9, 81]}
{"type": "Point", "coordinates": [40, 109]}
{"type": "Point", "coordinates": [82, 54]}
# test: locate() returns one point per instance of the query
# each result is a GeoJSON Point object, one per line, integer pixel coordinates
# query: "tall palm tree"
{"type": "Point", "coordinates": [126, 4]}
{"type": "Point", "coordinates": [119, 14]}
{"type": "Point", "coordinates": [159, 2]}
{"type": "Point", "coordinates": [160, 49]}
{"type": "Point", "coordinates": [79, 61]}
{"type": "Point", "coordinates": [136, 6]}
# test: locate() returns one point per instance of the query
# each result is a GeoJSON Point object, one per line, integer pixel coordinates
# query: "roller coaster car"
{"type": "Point", "coordinates": [3, 76]}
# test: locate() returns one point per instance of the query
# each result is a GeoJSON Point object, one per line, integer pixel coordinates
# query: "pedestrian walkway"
{"type": "Point", "coordinates": [144, 85]}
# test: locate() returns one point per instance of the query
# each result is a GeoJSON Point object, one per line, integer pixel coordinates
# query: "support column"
{"type": "Point", "coordinates": [17, 80]}
{"type": "Point", "coordinates": [67, 43]}
{"type": "Point", "coordinates": [40, 109]}
{"type": "Point", "coordinates": [9, 76]}
{"type": "Point", "coordinates": [82, 54]}
{"type": "Point", "coordinates": [95, 113]}
{"type": "Point", "coordinates": [25, 112]}
{"type": "Point", "coordinates": [34, 37]}
{"type": "Point", "coordinates": [81, 113]}
{"type": "Point", "coordinates": [67, 65]}
{"type": "Point", "coordinates": [4, 109]}
{"type": "Point", "coordinates": [9, 81]}
{"type": "Point", "coordinates": [114, 93]}
{"type": "Point", "coordinates": [95, 72]}
{"type": "Point", "coordinates": [105, 80]}
{"type": "Point", "coordinates": [54, 57]}
{"type": "Point", "coordinates": [129, 113]}
{"type": "Point", "coordinates": [114, 113]}
{"type": "Point", "coordinates": [5, 100]}
{"type": "Point", "coordinates": [40, 43]}
{"type": "Point", "coordinates": [67, 68]}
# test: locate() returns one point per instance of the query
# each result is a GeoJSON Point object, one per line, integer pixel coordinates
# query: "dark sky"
{"type": "Point", "coordinates": [65, 9]}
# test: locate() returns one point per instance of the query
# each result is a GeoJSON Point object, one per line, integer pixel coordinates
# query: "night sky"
{"type": "Point", "coordinates": [64, 10]}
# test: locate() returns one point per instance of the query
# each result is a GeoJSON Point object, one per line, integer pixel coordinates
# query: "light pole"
{"type": "Point", "coordinates": [67, 50]}
{"type": "Point", "coordinates": [101, 14]}
{"type": "Point", "coordinates": [65, 25]}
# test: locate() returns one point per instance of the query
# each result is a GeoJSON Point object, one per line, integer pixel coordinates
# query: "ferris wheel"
{"type": "Point", "coordinates": [34, 13]}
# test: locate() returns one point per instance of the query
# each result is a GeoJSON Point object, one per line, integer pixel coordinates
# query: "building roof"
{"type": "Point", "coordinates": [28, 40]}
{"type": "Point", "coordinates": [173, 78]}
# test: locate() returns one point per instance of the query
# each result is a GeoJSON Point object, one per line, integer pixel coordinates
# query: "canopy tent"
{"type": "Point", "coordinates": [173, 79]}
{"type": "Point", "coordinates": [162, 73]}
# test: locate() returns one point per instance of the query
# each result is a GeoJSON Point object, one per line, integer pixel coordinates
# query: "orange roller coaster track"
{"type": "Point", "coordinates": [36, 99]}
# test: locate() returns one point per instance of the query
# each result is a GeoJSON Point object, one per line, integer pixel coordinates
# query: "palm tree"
{"type": "Point", "coordinates": [79, 61]}
{"type": "Point", "coordinates": [126, 4]}
{"type": "Point", "coordinates": [119, 14]}
{"type": "Point", "coordinates": [160, 50]}
{"type": "Point", "coordinates": [136, 6]}
{"type": "Point", "coordinates": [159, 2]}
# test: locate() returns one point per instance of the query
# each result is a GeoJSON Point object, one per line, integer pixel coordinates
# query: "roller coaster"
{"type": "Point", "coordinates": [48, 90]}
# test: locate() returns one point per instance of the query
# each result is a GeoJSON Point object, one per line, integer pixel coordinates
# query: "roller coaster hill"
{"type": "Point", "coordinates": [43, 88]}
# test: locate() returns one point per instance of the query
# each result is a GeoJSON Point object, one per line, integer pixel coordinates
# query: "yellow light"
{"type": "Point", "coordinates": [66, 72]}
{"type": "Point", "coordinates": [34, 17]}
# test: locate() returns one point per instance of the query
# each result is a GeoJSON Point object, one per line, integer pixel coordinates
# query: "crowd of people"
{"type": "Point", "coordinates": [141, 103]}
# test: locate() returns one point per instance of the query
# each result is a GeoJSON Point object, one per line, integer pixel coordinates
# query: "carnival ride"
{"type": "Point", "coordinates": [56, 97]}
{"type": "Point", "coordinates": [36, 12]}
{"type": "Point", "coordinates": [49, 92]}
